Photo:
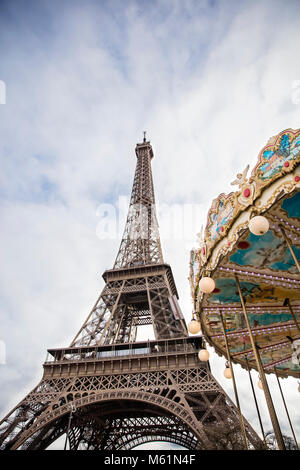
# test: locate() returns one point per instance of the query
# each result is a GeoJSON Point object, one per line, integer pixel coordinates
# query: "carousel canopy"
{"type": "Point", "coordinates": [266, 265]}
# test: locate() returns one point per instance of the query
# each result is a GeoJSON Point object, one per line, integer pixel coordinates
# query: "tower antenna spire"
{"type": "Point", "coordinates": [144, 136]}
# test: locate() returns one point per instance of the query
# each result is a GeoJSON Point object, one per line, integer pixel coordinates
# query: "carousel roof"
{"type": "Point", "coordinates": [267, 271]}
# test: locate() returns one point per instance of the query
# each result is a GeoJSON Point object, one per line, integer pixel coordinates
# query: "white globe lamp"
{"type": "Point", "coordinates": [258, 225]}
{"type": "Point", "coordinates": [207, 285]}
{"type": "Point", "coordinates": [203, 355]}
{"type": "Point", "coordinates": [194, 327]}
{"type": "Point", "coordinates": [227, 373]}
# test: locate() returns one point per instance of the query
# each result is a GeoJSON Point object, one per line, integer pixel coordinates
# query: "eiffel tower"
{"type": "Point", "coordinates": [107, 391]}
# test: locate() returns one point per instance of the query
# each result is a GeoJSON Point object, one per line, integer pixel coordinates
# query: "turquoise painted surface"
{"type": "Point", "coordinates": [287, 366]}
{"type": "Point", "coordinates": [228, 291]}
{"type": "Point", "coordinates": [292, 205]}
{"type": "Point", "coordinates": [287, 264]}
{"type": "Point", "coordinates": [266, 319]}
{"type": "Point", "coordinates": [274, 160]}
{"type": "Point", "coordinates": [220, 219]}
{"type": "Point", "coordinates": [266, 251]}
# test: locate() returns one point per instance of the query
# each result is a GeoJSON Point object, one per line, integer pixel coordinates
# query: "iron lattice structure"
{"type": "Point", "coordinates": [109, 391]}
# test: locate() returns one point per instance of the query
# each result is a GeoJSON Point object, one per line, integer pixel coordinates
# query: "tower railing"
{"type": "Point", "coordinates": [144, 348]}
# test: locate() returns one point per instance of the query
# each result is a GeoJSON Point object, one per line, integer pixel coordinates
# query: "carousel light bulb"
{"type": "Point", "coordinates": [194, 327]}
{"type": "Point", "coordinates": [207, 285]}
{"type": "Point", "coordinates": [258, 225]}
{"type": "Point", "coordinates": [203, 355]}
{"type": "Point", "coordinates": [259, 384]}
{"type": "Point", "coordinates": [227, 373]}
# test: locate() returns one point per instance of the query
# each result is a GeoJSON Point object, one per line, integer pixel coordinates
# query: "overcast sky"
{"type": "Point", "coordinates": [210, 82]}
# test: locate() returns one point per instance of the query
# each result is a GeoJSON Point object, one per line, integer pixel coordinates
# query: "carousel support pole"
{"type": "Point", "coordinates": [272, 412]}
{"type": "Point", "coordinates": [285, 407]}
{"type": "Point", "coordinates": [256, 404]}
{"type": "Point", "coordinates": [287, 303]}
{"type": "Point", "coordinates": [234, 384]}
{"type": "Point", "coordinates": [289, 246]}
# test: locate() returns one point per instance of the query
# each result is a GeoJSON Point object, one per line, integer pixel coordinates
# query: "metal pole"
{"type": "Point", "coordinates": [118, 329]}
{"type": "Point", "coordinates": [234, 384]}
{"type": "Point", "coordinates": [108, 322]}
{"type": "Point", "coordinates": [287, 302]}
{"type": "Point", "coordinates": [129, 334]}
{"type": "Point", "coordinates": [68, 428]}
{"type": "Point", "coordinates": [267, 393]}
{"type": "Point", "coordinates": [289, 246]}
{"type": "Point", "coordinates": [256, 404]}
{"type": "Point", "coordinates": [294, 436]}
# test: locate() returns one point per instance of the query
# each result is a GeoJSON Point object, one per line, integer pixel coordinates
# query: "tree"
{"type": "Point", "coordinates": [225, 436]}
{"type": "Point", "coordinates": [272, 443]}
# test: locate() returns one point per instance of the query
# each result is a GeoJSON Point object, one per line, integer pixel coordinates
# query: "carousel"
{"type": "Point", "coordinates": [244, 274]}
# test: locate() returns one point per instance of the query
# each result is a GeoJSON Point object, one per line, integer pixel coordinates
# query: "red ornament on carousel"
{"type": "Point", "coordinates": [247, 192]}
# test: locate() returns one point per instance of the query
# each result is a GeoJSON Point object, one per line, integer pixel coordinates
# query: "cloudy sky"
{"type": "Point", "coordinates": [210, 81]}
